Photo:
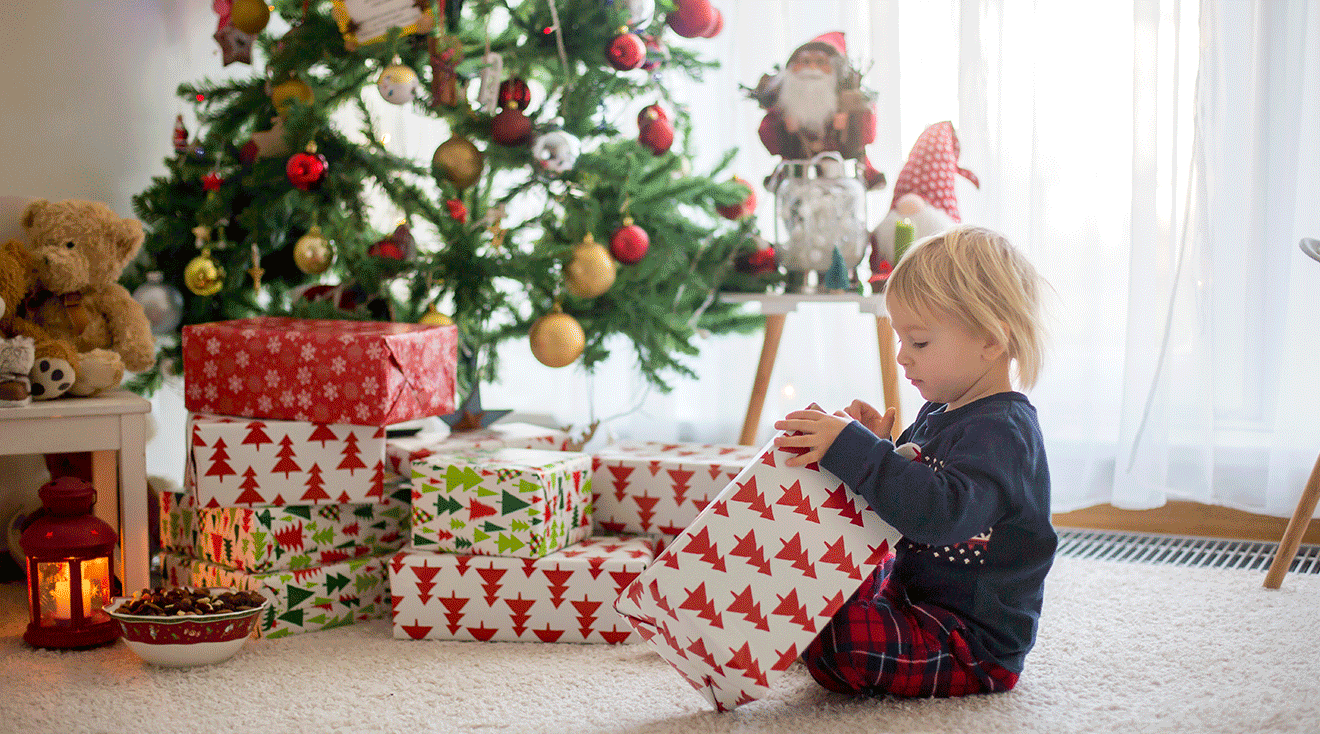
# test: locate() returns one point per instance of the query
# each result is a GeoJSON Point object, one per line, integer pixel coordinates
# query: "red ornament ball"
{"type": "Point", "coordinates": [650, 114]}
{"type": "Point", "coordinates": [514, 93]}
{"type": "Point", "coordinates": [511, 127]}
{"type": "Point", "coordinates": [386, 248]}
{"type": "Point", "coordinates": [629, 243]}
{"type": "Point", "coordinates": [692, 18]}
{"type": "Point", "coordinates": [715, 26]}
{"type": "Point", "coordinates": [657, 136]}
{"type": "Point", "coordinates": [306, 170]}
{"type": "Point", "coordinates": [626, 52]}
{"type": "Point", "coordinates": [212, 181]}
{"type": "Point", "coordinates": [741, 210]}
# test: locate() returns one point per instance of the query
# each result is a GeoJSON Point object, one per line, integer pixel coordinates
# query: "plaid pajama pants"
{"type": "Point", "coordinates": [880, 643]}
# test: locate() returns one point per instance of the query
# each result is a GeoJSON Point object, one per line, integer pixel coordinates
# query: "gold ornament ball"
{"type": "Point", "coordinates": [592, 270]}
{"type": "Point", "coordinates": [434, 317]}
{"type": "Point", "coordinates": [313, 253]}
{"type": "Point", "coordinates": [203, 275]}
{"type": "Point", "coordinates": [460, 161]}
{"type": "Point", "coordinates": [557, 339]}
{"type": "Point", "coordinates": [249, 16]}
{"type": "Point", "coordinates": [282, 93]}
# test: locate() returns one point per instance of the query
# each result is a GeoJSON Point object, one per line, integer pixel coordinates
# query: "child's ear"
{"type": "Point", "coordinates": [995, 345]}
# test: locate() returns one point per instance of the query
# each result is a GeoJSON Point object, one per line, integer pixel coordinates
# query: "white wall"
{"type": "Point", "coordinates": [87, 106]}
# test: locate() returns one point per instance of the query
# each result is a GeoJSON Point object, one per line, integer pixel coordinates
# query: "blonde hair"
{"type": "Point", "coordinates": [976, 276]}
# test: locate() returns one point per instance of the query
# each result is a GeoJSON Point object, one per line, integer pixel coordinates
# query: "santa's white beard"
{"type": "Point", "coordinates": [811, 97]}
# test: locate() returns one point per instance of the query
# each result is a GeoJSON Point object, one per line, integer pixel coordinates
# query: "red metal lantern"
{"type": "Point", "coordinates": [69, 554]}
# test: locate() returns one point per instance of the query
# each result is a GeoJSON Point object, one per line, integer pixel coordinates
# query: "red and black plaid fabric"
{"type": "Point", "coordinates": [880, 643]}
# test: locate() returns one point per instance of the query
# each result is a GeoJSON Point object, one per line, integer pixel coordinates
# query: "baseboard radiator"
{"type": "Point", "coordinates": [1181, 550]}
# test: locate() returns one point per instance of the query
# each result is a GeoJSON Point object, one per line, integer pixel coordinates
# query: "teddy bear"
{"type": "Point", "coordinates": [22, 342]}
{"type": "Point", "coordinates": [79, 248]}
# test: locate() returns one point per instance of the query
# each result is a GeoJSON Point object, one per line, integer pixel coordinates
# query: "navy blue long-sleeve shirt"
{"type": "Point", "coordinates": [974, 510]}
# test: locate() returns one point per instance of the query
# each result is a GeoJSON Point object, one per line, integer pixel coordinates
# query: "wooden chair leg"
{"type": "Point", "coordinates": [774, 329]}
{"type": "Point", "coordinates": [1292, 537]}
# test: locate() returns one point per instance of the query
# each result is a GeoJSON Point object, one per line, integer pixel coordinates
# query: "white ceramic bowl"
{"type": "Point", "coordinates": [177, 642]}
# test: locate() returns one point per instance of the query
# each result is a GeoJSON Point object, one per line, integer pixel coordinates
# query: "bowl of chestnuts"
{"type": "Point", "coordinates": [184, 626]}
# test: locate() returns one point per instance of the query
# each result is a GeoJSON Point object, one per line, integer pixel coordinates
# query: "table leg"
{"type": "Point", "coordinates": [884, 337]}
{"type": "Point", "coordinates": [133, 498]}
{"type": "Point", "coordinates": [774, 329]}
{"type": "Point", "coordinates": [1292, 537]}
{"type": "Point", "coordinates": [105, 479]}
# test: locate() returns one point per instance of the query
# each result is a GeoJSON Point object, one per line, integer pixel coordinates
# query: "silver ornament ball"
{"type": "Point", "coordinates": [161, 302]}
{"type": "Point", "coordinates": [556, 151]}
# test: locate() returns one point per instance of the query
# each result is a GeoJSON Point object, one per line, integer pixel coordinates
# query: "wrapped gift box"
{"type": "Point", "coordinates": [401, 452]}
{"type": "Point", "coordinates": [263, 463]}
{"type": "Point", "coordinates": [738, 595]}
{"type": "Point", "coordinates": [650, 487]}
{"type": "Point", "coordinates": [522, 503]}
{"type": "Point", "coordinates": [567, 596]}
{"type": "Point", "coordinates": [302, 536]}
{"type": "Point", "coordinates": [364, 373]}
{"type": "Point", "coordinates": [305, 600]}
{"type": "Point", "coordinates": [178, 522]}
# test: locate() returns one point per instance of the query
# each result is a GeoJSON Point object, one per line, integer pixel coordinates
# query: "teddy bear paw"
{"type": "Point", "coordinates": [51, 378]}
{"type": "Point", "coordinates": [98, 370]}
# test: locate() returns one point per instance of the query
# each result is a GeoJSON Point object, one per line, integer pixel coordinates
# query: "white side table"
{"type": "Point", "coordinates": [110, 425]}
{"type": "Point", "coordinates": [776, 307]}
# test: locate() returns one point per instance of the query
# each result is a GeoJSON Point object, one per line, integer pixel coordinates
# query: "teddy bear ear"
{"type": "Point", "coordinates": [130, 237]}
{"type": "Point", "coordinates": [31, 211]}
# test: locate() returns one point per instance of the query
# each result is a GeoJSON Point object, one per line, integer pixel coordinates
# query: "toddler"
{"type": "Point", "coordinates": [954, 611]}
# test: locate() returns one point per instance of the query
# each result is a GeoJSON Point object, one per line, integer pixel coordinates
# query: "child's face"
{"type": "Point", "coordinates": [945, 360]}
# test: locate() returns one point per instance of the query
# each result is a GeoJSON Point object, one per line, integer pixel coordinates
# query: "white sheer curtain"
{"type": "Point", "coordinates": [1157, 159]}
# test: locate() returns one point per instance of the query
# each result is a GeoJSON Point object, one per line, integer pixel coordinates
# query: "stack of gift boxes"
{"type": "Point", "coordinates": [511, 541]}
{"type": "Point", "coordinates": [286, 489]}
{"type": "Point", "coordinates": [724, 559]}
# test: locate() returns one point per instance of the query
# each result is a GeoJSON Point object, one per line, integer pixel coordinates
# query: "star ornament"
{"type": "Point", "coordinates": [235, 45]}
{"type": "Point", "coordinates": [470, 416]}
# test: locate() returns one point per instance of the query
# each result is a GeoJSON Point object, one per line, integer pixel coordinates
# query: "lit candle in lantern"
{"type": "Point", "coordinates": [63, 604]}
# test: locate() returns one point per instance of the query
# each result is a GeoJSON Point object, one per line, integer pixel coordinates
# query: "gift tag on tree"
{"type": "Point", "coordinates": [488, 96]}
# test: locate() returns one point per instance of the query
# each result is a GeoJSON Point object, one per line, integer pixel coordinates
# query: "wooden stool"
{"type": "Point", "coordinates": [1301, 517]}
{"type": "Point", "coordinates": [112, 426]}
{"type": "Point", "coordinates": [776, 307]}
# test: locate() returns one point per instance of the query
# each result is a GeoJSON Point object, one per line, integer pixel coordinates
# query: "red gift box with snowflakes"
{"type": "Point", "coordinates": [364, 373]}
{"type": "Point", "coordinates": [401, 452]}
{"type": "Point", "coordinates": [258, 463]}
{"type": "Point", "coordinates": [522, 503]}
{"type": "Point", "coordinates": [738, 595]}
{"type": "Point", "coordinates": [567, 596]}
{"type": "Point", "coordinates": [303, 600]}
{"type": "Point", "coordinates": [652, 487]}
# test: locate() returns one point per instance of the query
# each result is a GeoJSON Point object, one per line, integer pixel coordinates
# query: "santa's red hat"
{"type": "Point", "coordinates": [832, 42]}
{"type": "Point", "coordinates": [931, 168]}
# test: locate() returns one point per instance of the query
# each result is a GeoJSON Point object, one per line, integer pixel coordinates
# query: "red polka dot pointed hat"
{"type": "Point", "coordinates": [930, 170]}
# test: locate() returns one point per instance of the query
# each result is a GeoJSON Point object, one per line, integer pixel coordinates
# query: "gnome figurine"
{"type": "Point", "coordinates": [924, 200]}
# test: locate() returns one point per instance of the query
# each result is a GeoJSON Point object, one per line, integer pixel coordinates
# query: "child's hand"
{"type": "Point", "coordinates": [880, 425]}
{"type": "Point", "coordinates": [818, 429]}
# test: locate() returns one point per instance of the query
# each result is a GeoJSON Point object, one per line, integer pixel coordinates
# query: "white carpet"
{"type": "Point", "coordinates": [1123, 648]}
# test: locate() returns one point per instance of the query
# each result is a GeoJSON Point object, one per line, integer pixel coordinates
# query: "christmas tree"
{"type": "Point", "coordinates": [555, 210]}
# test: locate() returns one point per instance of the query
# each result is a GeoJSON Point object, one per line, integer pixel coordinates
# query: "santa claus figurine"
{"type": "Point", "coordinates": [815, 104]}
